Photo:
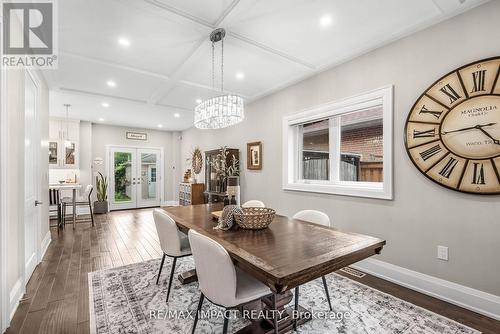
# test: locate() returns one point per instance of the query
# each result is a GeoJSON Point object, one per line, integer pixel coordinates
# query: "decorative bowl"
{"type": "Point", "coordinates": [254, 218]}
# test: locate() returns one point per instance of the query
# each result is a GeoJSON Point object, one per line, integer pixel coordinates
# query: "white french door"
{"type": "Point", "coordinates": [31, 173]}
{"type": "Point", "coordinates": [135, 177]}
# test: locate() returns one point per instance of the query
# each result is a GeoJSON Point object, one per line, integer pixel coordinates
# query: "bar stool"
{"type": "Point", "coordinates": [85, 200]}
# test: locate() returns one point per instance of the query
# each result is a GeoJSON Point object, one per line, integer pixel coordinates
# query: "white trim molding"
{"type": "Point", "coordinates": [292, 139]}
{"type": "Point", "coordinates": [15, 296]}
{"type": "Point", "coordinates": [4, 306]}
{"type": "Point", "coordinates": [460, 295]}
{"type": "Point", "coordinates": [44, 245]}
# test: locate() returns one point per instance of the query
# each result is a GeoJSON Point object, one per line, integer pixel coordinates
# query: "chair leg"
{"type": "Point", "coordinates": [91, 213]}
{"type": "Point", "coordinates": [326, 292]}
{"type": "Point", "coordinates": [161, 267]}
{"type": "Point", "coordinates": [296, 308]}
{"type": "Point", "coordinates": [198, 310]}
{"type": "Point", "coordinates": [171, 277]}
{"type": "Point", "coordinates": [275, 317]}
{"type": "Point", "coordinates": [59, 218]}
{"type": "Point", "coordinates": [226, 321]}
{"type": "Point", "coordinates": [63, 216]}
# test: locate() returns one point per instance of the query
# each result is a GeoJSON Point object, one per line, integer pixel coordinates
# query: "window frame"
{"type": "Point", "coordinates": [292, 141]}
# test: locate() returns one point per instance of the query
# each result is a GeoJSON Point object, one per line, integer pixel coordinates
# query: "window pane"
{"type": "Point", "coordinates": [361, 146]}
{"type": "Point", "coordinates": [315, 150]}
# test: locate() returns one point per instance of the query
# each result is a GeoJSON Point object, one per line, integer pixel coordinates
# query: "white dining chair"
{"type": "Point", "coordinates": [220, 281]}
{"type": "Point", "coordinates": [254, 204]}
{"type": "Point", "coordinates": [173, 242]}
{"type": "Point", "coordinates": [316, 217]}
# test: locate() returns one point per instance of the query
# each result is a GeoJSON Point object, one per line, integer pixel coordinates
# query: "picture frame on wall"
{"type": "Point", "coordinates": [254, 155]}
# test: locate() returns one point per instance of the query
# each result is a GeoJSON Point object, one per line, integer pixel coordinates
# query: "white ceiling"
{"type": "Point", "coordinates": [168, 63]}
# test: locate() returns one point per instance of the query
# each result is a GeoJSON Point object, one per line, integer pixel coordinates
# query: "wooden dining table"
{"type": "Point", "coordinates": [285, 255]}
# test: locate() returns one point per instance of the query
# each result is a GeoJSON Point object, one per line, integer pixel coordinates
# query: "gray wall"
{"type": "Point", "coordinates": [103, 135]}
{"type": "Point", "coordinates": [423, 214]}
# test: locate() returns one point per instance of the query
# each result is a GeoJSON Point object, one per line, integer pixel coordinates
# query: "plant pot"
{"type": "Point", "coordinates": [101, 207]}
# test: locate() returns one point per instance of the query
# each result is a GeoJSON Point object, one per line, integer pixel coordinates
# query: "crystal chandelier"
{"type": "Point", "coordinates": [223, 110]}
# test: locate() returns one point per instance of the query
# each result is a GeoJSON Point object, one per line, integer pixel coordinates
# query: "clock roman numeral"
{"type": "Point", "coordinates": [478, 174]}
{"type": "Point", "coordinates": [450, 92]}
{"type": "Point", "coordinates": [430, 152]}
{"type": "Point", "coordinates": [478, 78]}
{"type": "Point", "coordinates": [425, 133]}
{"type": "Point", "coordinates": [448, 168]}
{"type": "Point", "coordinates": [434, 113]}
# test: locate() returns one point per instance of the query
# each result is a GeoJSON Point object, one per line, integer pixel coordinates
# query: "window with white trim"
{"type": "Point", "coordinates": [343, 147]}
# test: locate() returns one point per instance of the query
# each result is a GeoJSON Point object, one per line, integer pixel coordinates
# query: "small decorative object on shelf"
{"type": "Point", "coordinates": [226, 200]}
{"type": "Point", "coordinates": [233, 200]}
{"type": "Point", "coordinates": [254, 218]}
{"type": "Point", "coordinates": [187, 175]}
{"type": "Point", "coordinates": [254, 155]}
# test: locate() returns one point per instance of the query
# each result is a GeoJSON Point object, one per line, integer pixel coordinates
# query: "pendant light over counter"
{"type": "Point", "coordinates": [224, 110]}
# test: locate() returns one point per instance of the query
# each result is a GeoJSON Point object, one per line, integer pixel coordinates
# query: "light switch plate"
{"type": "Point", "coordinates": [442, 253]}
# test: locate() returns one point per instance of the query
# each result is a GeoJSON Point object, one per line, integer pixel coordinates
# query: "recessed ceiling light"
{"type": "Point", "coordinates": [123, 41]}
{"type": "Point", "coordinates": [325, 20]}
{"type": "Point", "coordinates": [111, 83]}
{"type": "Point", "coordinates": [160, 126]}
{"type": "Point", "coordinates": [105, 104]}
{"type": "Point", "coordinates": [198, 101]}
{"type": "Point", "coordinates": [240, 75]}
{"type": "Point", "coordinates": [177, 115]}
{"type": "Point", "coordinates": [101, 119]}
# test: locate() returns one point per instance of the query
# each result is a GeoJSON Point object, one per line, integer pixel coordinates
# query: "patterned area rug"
{"type": "Point", "coordinates": [127, 300]}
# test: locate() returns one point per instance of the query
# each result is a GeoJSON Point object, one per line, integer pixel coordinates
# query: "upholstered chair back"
{"type": "Point", "coordinates": [215, 270]}
{"type": "Point", "coordinates": [254, 204]}
{"type": "Point", "coordinates": [167, 233]}
{"type": "Point", "coordinates": [313, 216]}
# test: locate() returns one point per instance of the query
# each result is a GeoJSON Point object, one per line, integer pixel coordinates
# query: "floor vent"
{"type": "Point", "coordinates": [353, 272]}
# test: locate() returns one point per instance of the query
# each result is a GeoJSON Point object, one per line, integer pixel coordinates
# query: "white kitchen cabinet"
{"type": "Point", "coordinates": [63, 143]}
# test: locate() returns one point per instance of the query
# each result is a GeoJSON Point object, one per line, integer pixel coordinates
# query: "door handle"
{"type": "Point", "coordinates": [37, 203]}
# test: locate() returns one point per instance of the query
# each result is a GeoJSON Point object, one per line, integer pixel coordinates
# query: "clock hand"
{"type": "Point", "coordinates": [496, 141]}
{"type": "Point", "coordinates": [479, 126]}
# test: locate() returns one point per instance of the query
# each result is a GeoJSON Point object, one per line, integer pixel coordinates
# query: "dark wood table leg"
{"type": "Point", "coordinates": [188, 277]}
{"type": "Point", "coordinates": [285, 322]}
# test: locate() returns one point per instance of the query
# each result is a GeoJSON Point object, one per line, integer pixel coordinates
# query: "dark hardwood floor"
{"type": "Point", "coordinates": [56, 299]}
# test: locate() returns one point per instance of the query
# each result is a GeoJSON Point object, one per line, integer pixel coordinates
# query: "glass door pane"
{"type": "Point", "coordinates": [123, 178]}
{"type": "Point", "coordinates": [149, 174]}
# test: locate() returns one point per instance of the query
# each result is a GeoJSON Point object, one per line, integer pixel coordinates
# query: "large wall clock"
{"type": "Point", "coordinates": [453, 130]}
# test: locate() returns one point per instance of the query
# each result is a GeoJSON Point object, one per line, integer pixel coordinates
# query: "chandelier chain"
{"type": "Point", "coordinates": [222, 67]}
{"type": "Point", "coordinates": [213, 65]}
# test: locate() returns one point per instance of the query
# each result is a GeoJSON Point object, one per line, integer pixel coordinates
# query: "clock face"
{"type": "Point", "coordinates": [453, 130]}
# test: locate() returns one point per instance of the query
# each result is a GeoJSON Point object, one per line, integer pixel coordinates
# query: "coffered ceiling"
{"type": "Point", "coordinates": [158, 55]}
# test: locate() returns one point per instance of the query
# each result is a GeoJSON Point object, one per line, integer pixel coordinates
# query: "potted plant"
{"type": "Point", "coordinates": [101, 184]}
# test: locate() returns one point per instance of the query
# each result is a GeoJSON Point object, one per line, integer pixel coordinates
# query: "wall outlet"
{"type": "Point", "coordinates": [442, 253]}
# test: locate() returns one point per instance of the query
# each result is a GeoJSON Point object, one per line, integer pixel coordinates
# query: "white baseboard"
{"type": "Point", "coordinates": [45, 245]}
{"type": "Point", "coordinates": [15, 296]}
{"type": "Point", "coordinates": [170, 203]}
{"type": "Point", "coordinates": [468, 298]}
